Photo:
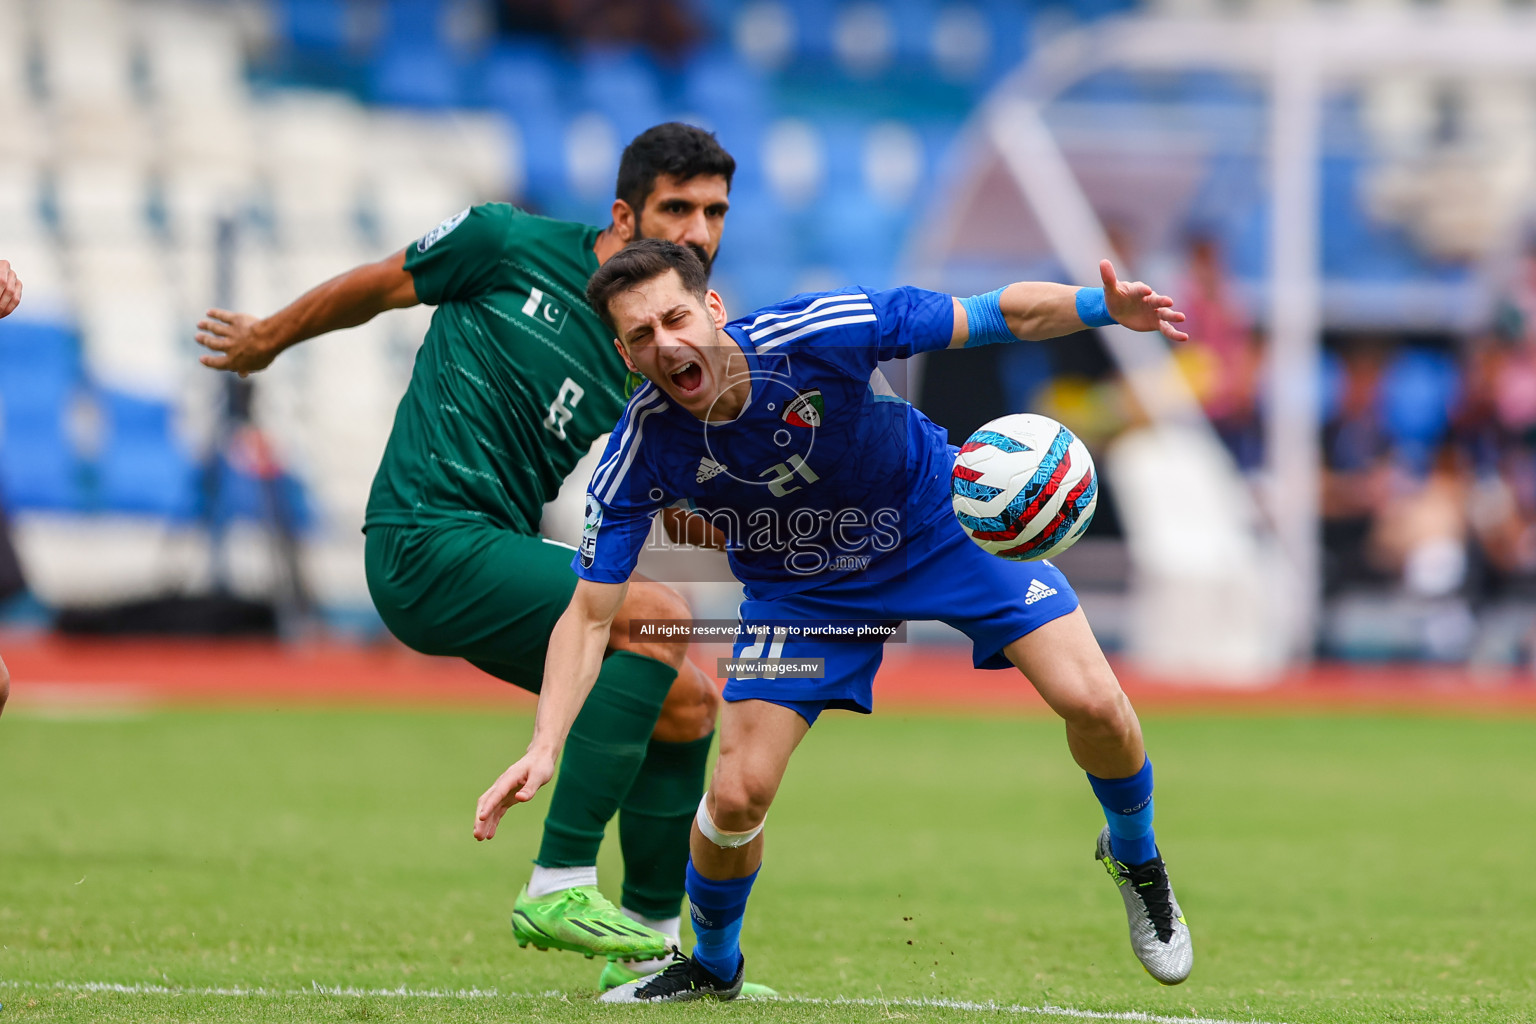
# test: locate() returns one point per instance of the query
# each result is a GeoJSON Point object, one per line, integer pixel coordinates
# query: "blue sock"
{"type": "Point", "coordinates": [717, 909]}
{"type": "Point", "coordinates": [1128, 809]}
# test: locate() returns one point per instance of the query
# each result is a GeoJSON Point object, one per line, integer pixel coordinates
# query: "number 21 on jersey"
{"type": "Point", "coordinates": [563, 408]}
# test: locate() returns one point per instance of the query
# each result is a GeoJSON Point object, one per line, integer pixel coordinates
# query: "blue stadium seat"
{"type": "Point", "coordinates": [142, 470]}
{"type": "Point", "coordinates": [39, 376]}
{"type": "Point", "coordinates": [756, 226]}
{"type": "Point", "coordinates": [412, 22]}
{"type": "Point", "coordinates": [39, 468]}
{"type": "Point", "coordinates": [544, 163]}
{"type": "Point", "coordinates": [522, 77]}
{"type": "Point", "coordinates": [814, 23]}
{"type": "Point", "coordinates": [623, 85]}
{"type": "Point", "coordinates": [858, 237]}
{"type": "Point", "coordinates": [39, 363]}
{"type": "Point", "coordinates": [315, 25]}
{"type": "Point", "coordinates": [843, 142]}
{"type": "Point", "coordinates": [416, 75]}
{"type": "Point", "coordinates": [728, 94]}
{"type": "Point", "coordinates": [912, 21]}
{"type": "Point", "coordinates": [1353, 245]}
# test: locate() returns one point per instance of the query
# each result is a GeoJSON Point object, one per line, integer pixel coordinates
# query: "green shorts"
{"type": "Point", "coordinates": [471, 591]}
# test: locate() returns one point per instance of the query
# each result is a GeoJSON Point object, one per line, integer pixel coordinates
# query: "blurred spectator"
{"type": "Point", "coordinates": [1221, 358]}
{"type": "Point", "coordinates": [10, 289]}
{"type": "Point", "coordinates": [663, 26]}
{"type": "Point", "coordinates": [1355, 467]}
{"type": "Point", "coordinates": [1421, 527]}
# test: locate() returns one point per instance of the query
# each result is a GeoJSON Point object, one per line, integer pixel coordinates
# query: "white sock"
{"type": "Point", "coordinates": [671, 927]}
{"type": "Point", "coordinates": [547, 880]}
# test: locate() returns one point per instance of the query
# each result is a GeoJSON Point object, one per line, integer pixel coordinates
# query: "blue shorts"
{"type": "Point", "coordinates": [944, 577]}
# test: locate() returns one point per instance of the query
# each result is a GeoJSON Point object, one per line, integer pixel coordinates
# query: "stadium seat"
{"type": "Point", "coordinates": [39, 363]}
{"type": "Point", "coordinates": [961, 44]}
{"type": "Point", "coordinates": [412, 22]}
{"type": "Point", "coordinates": [623, 86]}
{"type": "Point", "coordinates": [142, 469]}
{"type": "Point", "coordinates": [864, 39]}
{"type": "Point", "coordinates": [893, 162]}
{"type": "Point", "coordinates": [794, 161]}
{"type": "Point", "coordinates": [731, 97]}
{"type": "Point", "coordinates": [765, 34]}
{"type": "Point", "coordinates": [857, 236]}
{"type": "Point", "coordinates": [21, 194]}
{"type": "Point", "coordinates": [912, 25]}
{"type": "Point", "coordinates": [103, 199]}
{"type": "Point", "coordinates": [315, 25]}
{"type": "Point", "coordinates": [815, 27]}
{"type": "Point", "coordinates": [39, 376]}
{"type": "Point", "coordinates": [592, 146]}
{"type": "Point", "coordinates": [522, 77]}
{"type": "Point", "coordinates": [415, 73]}
{"type": "Point", "coordinates": [545, 171]}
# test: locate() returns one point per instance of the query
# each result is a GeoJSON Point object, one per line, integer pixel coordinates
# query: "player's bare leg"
{"type": "Point", "coordinates": [756, 741]}
{"type": "Point", "coordinates": [656, 815]}
{"type": "Point", "coordinates": [561, 908]}
{"type": "Point", "coordinates": [1063, 661]}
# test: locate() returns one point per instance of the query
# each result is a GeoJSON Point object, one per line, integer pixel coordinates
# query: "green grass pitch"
{"type": "Point", "coordinates": [1348, 868]}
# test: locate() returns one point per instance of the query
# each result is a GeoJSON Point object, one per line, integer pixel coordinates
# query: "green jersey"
{"type": "Point", "coordinates": [516, 378]}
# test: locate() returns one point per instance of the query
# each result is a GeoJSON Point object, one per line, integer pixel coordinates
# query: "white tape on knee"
{"type": "Point", "coordinates": [724, 840]}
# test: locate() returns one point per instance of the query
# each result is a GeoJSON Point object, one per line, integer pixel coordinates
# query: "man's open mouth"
{"type": "Point", "coordinates": [688, 378]}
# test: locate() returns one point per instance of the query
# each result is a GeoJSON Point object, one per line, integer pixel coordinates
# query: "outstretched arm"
{"type": "Point", "coordinates": [1036, 310]}
{"type": "Point", "coordinates": [244, 344]}
{"type": "Point", "coordinates": [575, 656]}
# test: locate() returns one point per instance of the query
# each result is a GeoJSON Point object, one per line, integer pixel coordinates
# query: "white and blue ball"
{"type": "Point", "coordinates": [1023, 487]}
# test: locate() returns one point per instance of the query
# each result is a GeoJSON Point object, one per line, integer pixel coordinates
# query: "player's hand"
{"type": "Point", "coordinates": [516, 786]}
{"type": "Point", "coordinates": [238, 340]}
{"type": "Point", "coordinates": [10, 289]}
{"type": "Point", "coordinates": [1137, 306]}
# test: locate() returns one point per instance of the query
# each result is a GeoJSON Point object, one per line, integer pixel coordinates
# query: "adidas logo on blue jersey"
{"type": "Point", "coordinates": [708, 470]}
{"type": "Point", "coordinates": [1038, 592]}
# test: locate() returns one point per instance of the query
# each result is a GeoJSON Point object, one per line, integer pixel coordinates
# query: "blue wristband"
{"type": "Point", "coordinates": [1091, 309]}
{"type": "Point", "coordinates": [985, 321]}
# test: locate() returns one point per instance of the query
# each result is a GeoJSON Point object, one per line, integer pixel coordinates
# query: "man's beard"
{"type": "Point", "coordinates": [698, 250]}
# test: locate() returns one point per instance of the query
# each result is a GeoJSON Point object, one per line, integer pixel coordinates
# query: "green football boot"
{"type": "Point", "coordinates": [616, 974]}
{"type": "Point", "coordinates": [582, 920]}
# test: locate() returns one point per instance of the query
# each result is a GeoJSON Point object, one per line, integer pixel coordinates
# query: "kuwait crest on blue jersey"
{"type": "Point", "coordinates": [806, 409]}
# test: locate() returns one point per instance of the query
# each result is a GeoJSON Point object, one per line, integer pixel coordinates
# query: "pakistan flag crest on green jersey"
{"type": "Point", "coordinates": [806, 409]}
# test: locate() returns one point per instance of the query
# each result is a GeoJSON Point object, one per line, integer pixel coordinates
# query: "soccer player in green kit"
{"type": "Point", "coordinates": [515, 380]}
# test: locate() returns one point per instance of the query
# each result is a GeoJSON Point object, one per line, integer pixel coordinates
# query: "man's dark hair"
{"type": "Point", "coordinates": [681, 150]}
{"type": "Point", "coordinates": [639, 262]}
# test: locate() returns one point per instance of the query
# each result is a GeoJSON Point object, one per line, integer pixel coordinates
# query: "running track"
{"type": "Point", "coordinates": [55, 673]}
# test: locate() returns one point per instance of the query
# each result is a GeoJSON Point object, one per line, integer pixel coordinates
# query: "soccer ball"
{"type": "Point", "coordinates": [1023, 487]}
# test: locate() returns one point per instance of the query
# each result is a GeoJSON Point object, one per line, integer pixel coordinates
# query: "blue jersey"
{"type": "Point", "coordinates": [825, 471]}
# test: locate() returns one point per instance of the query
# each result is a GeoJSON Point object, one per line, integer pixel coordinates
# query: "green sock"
{"type": "Point", "coordinates": [654, 822]}
{"type": "Point", "coordinates": [603, 754]}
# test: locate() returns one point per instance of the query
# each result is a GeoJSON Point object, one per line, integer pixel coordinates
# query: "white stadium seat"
{"type": "Point", "coordinates": [407, 204]}
{"type": "Point", "coordinates": [794, 161]}
{"type": "Point", "coordinates": [193, 58]}
{"type": "Point", "coordinates": [102, 199]}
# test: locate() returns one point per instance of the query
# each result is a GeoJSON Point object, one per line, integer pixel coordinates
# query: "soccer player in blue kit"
{"type": "Point", "coordinates": [833, 494]}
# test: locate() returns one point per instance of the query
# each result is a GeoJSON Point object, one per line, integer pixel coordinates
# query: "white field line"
{"type": "Point", "coordinates": [317, 989]}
